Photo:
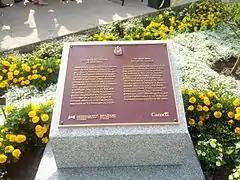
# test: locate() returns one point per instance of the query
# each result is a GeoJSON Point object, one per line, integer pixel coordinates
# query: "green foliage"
{"type": "Point", "coordinates": [210, 154]}
{"type": "Point", "coordinates": [48, 50]}
{"type": "Point", "coordinates": [235, 174]}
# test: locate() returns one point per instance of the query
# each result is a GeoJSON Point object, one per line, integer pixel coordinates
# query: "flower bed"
{"type": "Point", "coordinates": [214, 125]}
{"type": "Point", "coordinates": [212, 111]}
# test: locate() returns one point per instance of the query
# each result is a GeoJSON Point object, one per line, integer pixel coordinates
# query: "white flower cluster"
{"type": "Point", "coordinates": [205, 149]}
{"type": "Point", "coordinates": [22, 96]}
{"type": "Point", "coordinates": [197, 52]}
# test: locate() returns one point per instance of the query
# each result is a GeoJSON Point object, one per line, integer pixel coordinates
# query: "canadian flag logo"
{"type": "Point", "coordinates": [71, 117]}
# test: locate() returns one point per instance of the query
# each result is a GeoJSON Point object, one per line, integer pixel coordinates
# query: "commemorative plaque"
{"type": "Point", "coordinates": [118, 84]}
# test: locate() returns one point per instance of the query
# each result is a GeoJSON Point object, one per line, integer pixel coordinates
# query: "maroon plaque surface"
{"type": "Point", "coordinates": [120, 84]}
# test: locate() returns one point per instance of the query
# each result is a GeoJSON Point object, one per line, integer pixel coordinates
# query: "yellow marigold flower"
{"type": "Point", "coordinates": [9, 149]}
{"type": "Point", "coordinates": [16, 153]}
{"type": "Point", "coordinates": [16, 72]}
{"type": "Point", "coordinates": [34, 67]}
{"type": "Point", "coordinates": [4, 71]}
{"type": "Point", "coordinates": [49, 70]}
{"type": "Point", "coordinates": [11, 69]}
{"type": "Point", "coordinates": [15, 80]}
{"type": "Point", "coordinates": [50, 102]}
{"type": "Point", "coordinates": [1, 139]}
{"type": "Point", "coordinates": [35, 107]}
{"type": "Point", "coordinates": [192, 100]}
{"type": "Point", "coordinates": [20, 138]}
{"type": "Point", "coordinates": [190, 92]}
{"type": "Point", "coordinates": [10, 77]}
{"type": "Point", "coordinates": [230, 114]}
{"type": "Point", "coordinates": [5, 83]}
{"type": "Point", "coordinates": [237, 116]}
{"type": "Point", "coordinates": [200, 123]}
{"type": "Point", "coordinates": [23, 83]}
{"type": "Point", "coordinates": [219, 105]}
{"type": "Point", "coordinates": [230, 122]}
{"type": "Point", "coordinates": [2, 85]}
{"type": "Point", "coordinates": [10, 74]}
{"type": "Point", "coordinates": [236, 102]}
{"type": "Point", "coordinates": [201, 96]}
{"type": "Point", "coordinates": [35, 76]}
{"type": "Point", "coordinates": [3, 158]}
{"type": "Point", "coordinates": [6, 63]}
{"type": "Point", "coordinates": [217, 114]}
{"type": "Point", "coordinates": [13, 66]}
{"type": "Point", "coordinates": [205, 108]}
{"type": "Point", "coordinates": [237, 130]}
{"type": "Point", "coordinates": [24, 65]}
{"type": "Point", "coordinates": [32, 113]}
{"type": "Point", "coordinates": [0, 144]}
{"type": "Point", "coordinates": [35, 119]}
{"type": "Point", "coordinates": [1, 78]}
{"type": "Point", "coordinates": [58, 61]}
{"type": "Point", "coordinates": [201, 118]}
{"type": "Point", "coordinates": [27, 82]}
{"type": "Point", "coordinates": [44, 78]}
{"type": "Point", "coordinates": [9, 108]}
{"type": "Point", "coordinates": [34, 71]}
{"type": "Point", "coordinates": [206, 101]}
{"type": "Point", "coordinates": [29, 77]}
{"type": "Point", "coordinates": [45, 128]}
{"type": "Point", "coordinates": [44, 117]}
{"type": "Point", "coordinates": [238, 109]}
{"type": "Point", "coordinates": [45, 140]}
{"type": "Point", "coordinates": [42, 68]}
{"type": "Point", "coordinates": [12, 138]}
{"type": "Point", "coordinates": [38, 128]}
{"type": "Point", "coordinates": [191, 122]}
{"type": "Point", "coordinates": [199, 108]}
{"type": "Point", "coordinates": [39, 134]}
{"type": "Point", "coordinates": [211, 94]}
{"type": "Point", "coordinates": [7, 136]}
{"type": "Point", "coordinates": [20, 79]}
{"type": "Point", "coordinates": [190, 108]}
{"type": "Point", "coordinates": [27, 69]}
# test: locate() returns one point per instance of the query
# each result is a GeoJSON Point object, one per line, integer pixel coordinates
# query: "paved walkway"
{"type": "Point", "coordinates": [21, 25]}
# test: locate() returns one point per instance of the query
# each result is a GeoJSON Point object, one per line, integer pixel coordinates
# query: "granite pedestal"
{"type": "Point", "coordinates": [189, 170]}
{"type": "Point", "coordinates": [120, 152]}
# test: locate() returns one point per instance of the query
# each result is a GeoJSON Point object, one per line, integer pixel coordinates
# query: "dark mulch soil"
{"type": "Point", "coordinates": [27, 166]}
{"type": "Point", "coordinates": [221, 174]}
{"type": "Point", "coordinates": [225, 67]}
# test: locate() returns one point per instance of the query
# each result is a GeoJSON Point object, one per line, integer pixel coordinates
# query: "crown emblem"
{"type": "Point", "coordinates": [118, 51]}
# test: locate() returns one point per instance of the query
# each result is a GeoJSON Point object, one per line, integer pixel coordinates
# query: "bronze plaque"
{"type": "Point", "coordinates": [120, 84]}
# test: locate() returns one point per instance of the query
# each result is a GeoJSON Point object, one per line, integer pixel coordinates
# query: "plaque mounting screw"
{"type": "Point", "coordinates": [61, 122]}
{"type": "Point", "coordinates": [71, 46]}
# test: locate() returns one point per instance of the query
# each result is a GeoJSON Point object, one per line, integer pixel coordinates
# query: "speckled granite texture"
{"type": "Point", "coordinates": [189, 170]}
{"type": "Point", "coordinates": [119, 145]}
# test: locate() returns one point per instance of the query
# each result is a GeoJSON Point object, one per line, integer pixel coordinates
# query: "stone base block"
{"type": "Point", "coordinates": [189, 170]}
{"type": "Point", "coordinates": [120, 150]}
